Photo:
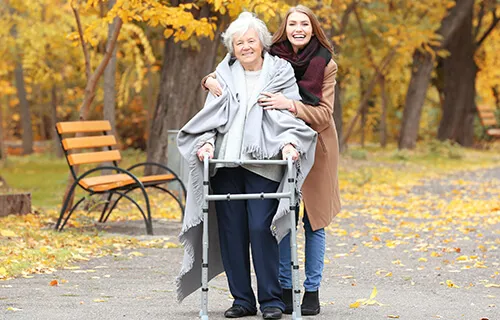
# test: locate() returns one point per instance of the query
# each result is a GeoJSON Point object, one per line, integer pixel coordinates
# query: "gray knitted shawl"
{"type": "Point", "coordinates": [265, 134]}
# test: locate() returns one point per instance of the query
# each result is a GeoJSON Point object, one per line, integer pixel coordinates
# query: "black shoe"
{"type": "Point", "coordinates": [272, 313]}
{"type": "Point", "coordinates": [238, 311]}
{"type": "Point", "coordinates": [310, 303]}
{"type": "Point", "coordinates": [288, 300]}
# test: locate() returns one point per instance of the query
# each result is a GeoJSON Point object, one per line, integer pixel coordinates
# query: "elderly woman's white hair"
{"type": "Point", "coordinates": [245, 21]}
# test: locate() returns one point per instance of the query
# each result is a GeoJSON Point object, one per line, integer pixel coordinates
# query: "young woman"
{"type": "Point", "coordinates": [301, 41]}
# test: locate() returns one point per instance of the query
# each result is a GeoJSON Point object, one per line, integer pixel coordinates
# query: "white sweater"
{"type": "Point", "coordinates": [228, 146]}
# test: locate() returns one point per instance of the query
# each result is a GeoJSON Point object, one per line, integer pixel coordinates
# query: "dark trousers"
{"type": "Point", "coordinates": [244, 224]}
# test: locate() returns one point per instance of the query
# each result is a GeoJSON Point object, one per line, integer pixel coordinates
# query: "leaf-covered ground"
{"type": "Point", "coordinates": [418, 238]}
{"type": "Point", "coordinates": [28, 243]}
{"type": "Point", "coordinates": [383, 207]}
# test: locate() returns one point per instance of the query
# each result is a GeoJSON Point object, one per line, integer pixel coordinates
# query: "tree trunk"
{"type": "Point", "coordinates": [337, 113]}
{"type": "Point", "coordinates": [364, 111]}
{"type": "Point", "coordinates": [415, 96]}
{"type": "Point", "coordinates": [421, 74]}
{"type": "Point", "coordinates": [39, 96]}
{"type": "Point", "coordinates": [3, 152]}
{"type": "Point", "coordinates": [53, 117]}
{"type": "Point", "coordinates": [17, 203]}
{"type": "Point", "coordinates": [110, 79]}
{"type": "Point", "coordinates": [383, 116]}
{"type": "Point", "coordinates": [459, 70]}
{"type": "Point", "coordinates": [149, 102]}
{"type": "Point", "coordinates": [177, 103]}
{"type": "Point", "coordinates": [27, 134]}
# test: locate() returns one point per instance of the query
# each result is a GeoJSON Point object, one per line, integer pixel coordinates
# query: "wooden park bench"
{"type": "Point", "coordinates": [489, 121]}
{"type": "Point", "coordinates": [82, 151]}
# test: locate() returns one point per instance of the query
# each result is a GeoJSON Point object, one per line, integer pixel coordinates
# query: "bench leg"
{"type": "Point", "coordinates": [71, 212]}
{"type": "Point", "coordinates": [65, 205]}
{"type": "Point", "coordinates": [147, 216]}
{"type": "Point", "coordinates": [105, 207]}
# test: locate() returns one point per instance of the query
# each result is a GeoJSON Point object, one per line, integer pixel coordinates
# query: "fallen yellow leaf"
{"type": "Point", "coordinates": [54, 283]}
{"type": "Point", "coordinates": [492, 285]}
{"type": "Point", "coordinates": [170, 245]}
{"type": "Point", "coordinates": [136, 254]}
{"type": "Point", "coordinates": [8, 233]}
{"type": "Point", "coordinates": [374, 293]}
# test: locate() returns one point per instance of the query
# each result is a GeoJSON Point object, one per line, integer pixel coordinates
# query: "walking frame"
{"type": "Point", "coordinates": [296, 315]}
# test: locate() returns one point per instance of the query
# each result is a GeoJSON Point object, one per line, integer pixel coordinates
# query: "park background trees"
{"type": "Point", "coordinates": [409, 71]}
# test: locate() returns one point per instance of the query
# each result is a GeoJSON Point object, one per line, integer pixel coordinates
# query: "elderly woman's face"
{"type": "Point", "coordinates": [248, 50]}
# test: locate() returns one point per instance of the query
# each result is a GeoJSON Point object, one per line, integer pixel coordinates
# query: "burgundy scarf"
{"type": "Point", "coordinates": [309, 65]}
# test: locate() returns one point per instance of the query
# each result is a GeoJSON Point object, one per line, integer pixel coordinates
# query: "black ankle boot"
{"type": "Point", "coordinates": [310, 303]}
{"type": "Point", "coordinates": [288, 300]}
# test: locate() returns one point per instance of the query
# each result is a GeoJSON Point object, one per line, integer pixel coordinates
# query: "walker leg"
{"type": "Point", "coordinates": [296, 315]}
{"type": "Point", "coordinates": [204, 266]}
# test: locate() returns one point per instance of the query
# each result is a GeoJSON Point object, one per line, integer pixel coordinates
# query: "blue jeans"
{"type": "Point", "coordinates": [315, 258]}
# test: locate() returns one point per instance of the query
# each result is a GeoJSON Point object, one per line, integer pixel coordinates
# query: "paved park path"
{"type": "Point", "coordinates": [425, 260]}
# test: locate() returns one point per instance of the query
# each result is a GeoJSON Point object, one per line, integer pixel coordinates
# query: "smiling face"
{"type": "Point", "coordinates": [248, 50]}
{"type": "Point", "coordinates": [298, 30]}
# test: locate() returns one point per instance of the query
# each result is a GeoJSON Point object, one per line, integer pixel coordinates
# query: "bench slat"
{"type": "Point", "coordinates": [83, 126]}
{"type": "Point", "coordinates": [88, 142]}
{"type": "Point", "coordinates": [494, 132]}
{"type": "Point", "coordinates": [113, 181]}
{"type": "Point", "coordinates": [485, 108]}
{"type": "Point", "coordinates": [489, 122]}
{"type": "Point", "coordinates": [94, 157]}
{"type": "Point", "coordinates": [486, 114]}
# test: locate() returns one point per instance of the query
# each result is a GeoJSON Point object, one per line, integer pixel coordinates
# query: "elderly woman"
{"type": "Point", "coordinates": [233, 126]}
{"type": "Point", "coordinates": [301, 41]}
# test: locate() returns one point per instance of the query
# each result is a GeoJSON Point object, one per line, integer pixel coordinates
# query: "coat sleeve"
{"type": "Point", "coordinates": [320, 117]}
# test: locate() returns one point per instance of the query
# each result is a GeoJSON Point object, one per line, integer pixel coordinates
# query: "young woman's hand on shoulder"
{"type": "Point", "coordinates": [272, 101]}
{"type": "Point", "coordinates": [213, 86]}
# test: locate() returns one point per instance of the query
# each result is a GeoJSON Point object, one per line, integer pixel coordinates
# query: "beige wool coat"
{"type": "Point", "coordinates": [320, 190]}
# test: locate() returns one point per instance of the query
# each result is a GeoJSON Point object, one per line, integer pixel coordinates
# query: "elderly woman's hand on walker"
{"type": "Point", "coordinates": [206, 148]}
{"type": "Point", "coordinates": [290, 151]}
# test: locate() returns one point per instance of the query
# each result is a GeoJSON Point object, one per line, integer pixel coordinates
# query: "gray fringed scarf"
{"type": "Point", "coordinates": [265, 134]}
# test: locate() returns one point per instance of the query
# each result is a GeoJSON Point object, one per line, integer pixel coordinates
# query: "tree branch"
{"type": "Point", "coordinates": [480, 17]}
{"type": "Point", "coordinates": [86, 53]}
{"type": "Point", "coordinates": [92, 82]}
{"type": "Point", "coordinates": [345, 16]}
{"type": "Point", "coordinates": [376, 78]}
{"type": "Point", "coordinates": [365, 40]}
{"type": "Point", "coordinates": [488, 31]}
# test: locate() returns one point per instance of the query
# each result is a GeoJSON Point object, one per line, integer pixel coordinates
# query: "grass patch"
{"type": "Point", "coordinates": [45, 176]}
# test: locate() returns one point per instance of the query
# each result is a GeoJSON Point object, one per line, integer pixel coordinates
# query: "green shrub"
{"type": "Point", "coordinates": [445, 148]}
{"type": "Point", "coordinates": [359, 154]}
{"type": "Point", "coordinates": [403, 155]}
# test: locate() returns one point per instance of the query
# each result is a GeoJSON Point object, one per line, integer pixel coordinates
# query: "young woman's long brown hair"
{"type": "Point", "coordinates": [280, 34]}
